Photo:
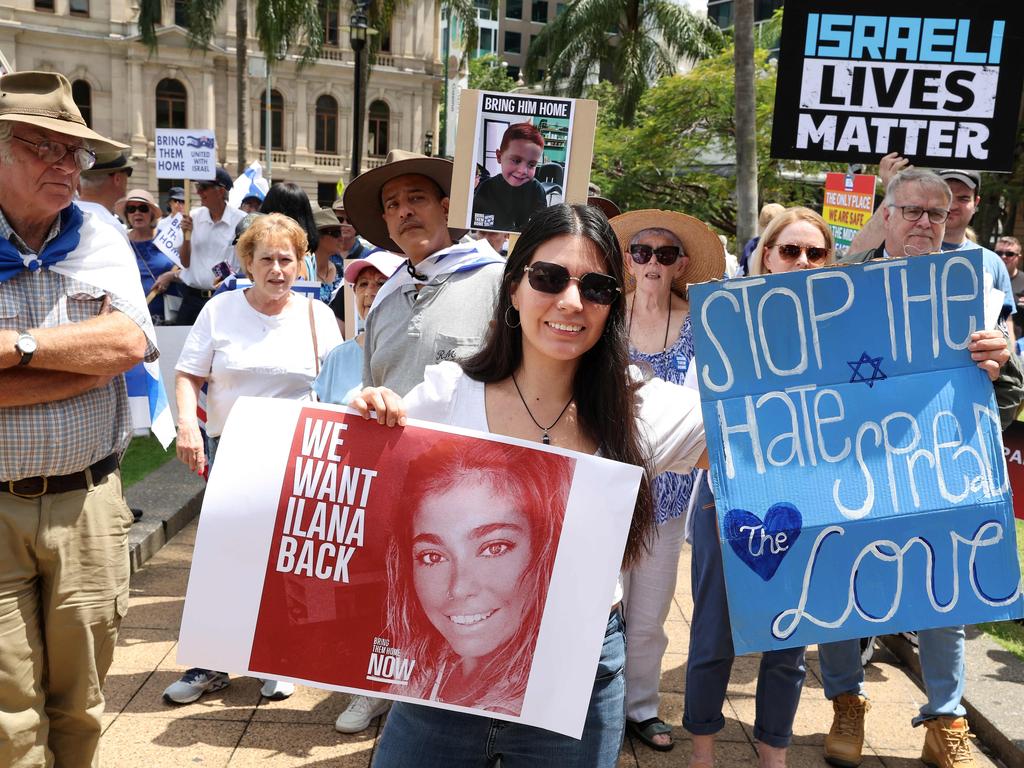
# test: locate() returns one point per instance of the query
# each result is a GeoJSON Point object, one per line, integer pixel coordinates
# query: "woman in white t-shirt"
{"type": "Point", "coordinates": [265, 341]}
{"type": "Point", "coordinates": [555, 370]}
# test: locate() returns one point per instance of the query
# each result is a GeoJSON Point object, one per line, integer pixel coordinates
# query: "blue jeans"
{"type": "Point", "coordinates": [782, 673]}
{"type": "Point", "coordinates": [426, 737]}
{"type": "Point", "coordinates": [942, 666]}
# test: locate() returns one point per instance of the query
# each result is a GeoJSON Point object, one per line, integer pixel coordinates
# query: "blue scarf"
{"type": "Point", "coordinates": [12, 262]}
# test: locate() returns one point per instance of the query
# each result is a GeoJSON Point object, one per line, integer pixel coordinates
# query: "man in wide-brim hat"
{"type": "Point", "coordinates": [78, 321]}
{"type": "Point", "coordinates": [436, 308]}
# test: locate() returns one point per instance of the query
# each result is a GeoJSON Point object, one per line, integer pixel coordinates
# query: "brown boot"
{"type": "Point", "coordinates": [947, 743]}
{"type": "Point", "coordinates": [845, 742]}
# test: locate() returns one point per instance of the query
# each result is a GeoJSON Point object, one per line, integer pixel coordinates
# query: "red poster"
{"type": "Point", "coordinates": [404, 564]}
{"type": "Point", "coordinates": [1013, 448]}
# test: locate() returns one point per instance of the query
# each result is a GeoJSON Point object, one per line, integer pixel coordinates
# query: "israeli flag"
{"type": "Point", "coordinates": [250, 184]}
{"type": "Point", "coordinates": [147, 399]}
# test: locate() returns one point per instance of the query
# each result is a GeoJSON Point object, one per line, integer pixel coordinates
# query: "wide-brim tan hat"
{"type": "Point", "coordinates": [44, 99]}
{"type": "Point", "coordinates": [700, 244]}
{"type": "Point", "coordinates": [139, 196]}
{"type": "Point", "coordinates": [362, 195]}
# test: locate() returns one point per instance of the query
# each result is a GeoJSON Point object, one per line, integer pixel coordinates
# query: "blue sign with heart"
{"type": "Point", "coordinates": [856, 451]}
{"type": "Point", "coordinates": [762, 545]}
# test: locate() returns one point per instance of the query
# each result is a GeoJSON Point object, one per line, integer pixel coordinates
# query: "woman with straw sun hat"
{"type": "Point", "coordinates": [664, 251]}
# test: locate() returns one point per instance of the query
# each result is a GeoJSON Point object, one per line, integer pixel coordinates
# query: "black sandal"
{"type": "Point", "coordinates": [648, 729]}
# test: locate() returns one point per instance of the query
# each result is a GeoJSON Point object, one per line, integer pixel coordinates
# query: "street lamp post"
{"type": "Point", "coordinates": [357, 34]}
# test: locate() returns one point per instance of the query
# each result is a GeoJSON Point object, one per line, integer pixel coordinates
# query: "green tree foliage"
{"type": "Point", "coordinates": [637, 41]}
{"type": "Point", "coordinates": [488, 74]}
{"type": "Point", "coordinates": [680, 153]}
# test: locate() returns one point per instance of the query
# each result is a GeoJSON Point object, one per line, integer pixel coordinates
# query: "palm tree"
{"type": "Point", "coordinates": [280, 25]}
{"type": "Point", "coordinates": [641, 41]}
{"type": "Point", "coordinates": [746, 140]}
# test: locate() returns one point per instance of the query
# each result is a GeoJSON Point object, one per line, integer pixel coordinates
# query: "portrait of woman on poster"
{"type": "Point", "coordinates": [469, 570]}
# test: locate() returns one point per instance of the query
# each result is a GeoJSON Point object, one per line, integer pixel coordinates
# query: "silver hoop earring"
{"type": "Point", "coordinates": [508, 309]}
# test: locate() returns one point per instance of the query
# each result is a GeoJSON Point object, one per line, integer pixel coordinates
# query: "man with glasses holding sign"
{"type": "Point", "coordinates": [915, 209]}
{"type": "Point", "coordinates": [73, 319]}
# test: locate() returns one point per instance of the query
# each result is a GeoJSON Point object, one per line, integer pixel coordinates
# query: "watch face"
{"type": "Point", "coordinates": [26, 344]}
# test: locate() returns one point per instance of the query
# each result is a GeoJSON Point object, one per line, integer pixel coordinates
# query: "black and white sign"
{"type": "Point", "coordinates": [934, 82]}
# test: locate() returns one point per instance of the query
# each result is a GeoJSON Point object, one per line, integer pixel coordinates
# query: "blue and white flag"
{"type": "Point", "coordinates": [250, 184]}
{"type": "Point", "coordinates": [147, 399]}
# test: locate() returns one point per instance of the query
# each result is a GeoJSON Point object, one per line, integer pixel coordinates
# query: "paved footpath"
{"type": "Point", "coordinates": [236, 727]}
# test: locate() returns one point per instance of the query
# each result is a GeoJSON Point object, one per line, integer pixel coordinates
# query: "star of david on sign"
{"type": "Point", "coordinates": [874, 363]}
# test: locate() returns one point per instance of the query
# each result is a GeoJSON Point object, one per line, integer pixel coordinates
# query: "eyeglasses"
{"type": "Point", "coordinates": [1007, 254]}
{"type": "Point", "coordinates": [202, 186]}
{"type": "Point", "coordinates": [52, 152]}
{"type": "Point", "coordinates": [332, 232]}
{"type": "Point", "coordinates": [666, 254]}
{"type": "Point", "coordinates": [136, 208]}
{"type": "Point", "coordinates": [915, 212]}
{"type": "Point", "coordinates": [553, 278]}
{"type": "Point", "coordinates": [792, 252]}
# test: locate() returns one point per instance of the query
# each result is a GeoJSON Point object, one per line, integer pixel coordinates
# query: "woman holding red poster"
{"type": "Point", "coordinates": [555, 370]}
{"type": "Point", "coordinates": [469, 570]}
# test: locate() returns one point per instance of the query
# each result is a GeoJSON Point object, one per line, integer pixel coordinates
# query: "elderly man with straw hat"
{"type": "Point", "coordinates": [73, 319]}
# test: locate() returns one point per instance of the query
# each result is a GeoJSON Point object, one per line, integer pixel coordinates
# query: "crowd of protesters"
{"type": "Point", "coordinates": [579, 337]}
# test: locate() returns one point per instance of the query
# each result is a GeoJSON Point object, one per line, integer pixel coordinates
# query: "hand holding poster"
{"type": "Point", "coordinates": [939, 84]}
{"type": "Point", "coordinates": [856, 454]}
{"type": "Point", "coordinates": [517, 154]}
{"type": "Point", "coordinates": [426, 564]}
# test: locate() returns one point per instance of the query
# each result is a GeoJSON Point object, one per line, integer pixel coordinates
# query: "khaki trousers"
{"type": "Point", "coordinates": [63, 592]}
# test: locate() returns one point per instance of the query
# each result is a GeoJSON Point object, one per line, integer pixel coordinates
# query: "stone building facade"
{"type": "Point", "coordinates": [126, 92]}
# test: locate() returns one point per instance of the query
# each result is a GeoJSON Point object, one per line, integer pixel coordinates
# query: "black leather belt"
{"type": "Point", "coordinates": [200, 292]}
{"type": "Point", "coordinates": [41, 485]}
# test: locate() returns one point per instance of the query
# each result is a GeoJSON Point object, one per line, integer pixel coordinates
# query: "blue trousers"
{"type": "Point", "coordinates": [425, 737]}
{"type": "Point", "coordinates": [781, 676]}
{"type": "Point", "coordinates": [942, 666]}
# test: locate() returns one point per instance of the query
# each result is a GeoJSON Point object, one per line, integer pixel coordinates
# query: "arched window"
{"type": "Point", "coordinates": [276, 120]}
{"type": "Point", "coordinates": [81, 92]}
{"type": "Point", "coordinates": [171, 104]}
{"type": "Point", "coordinates": [380, 117]}
{"type": "Point", "coordinates": [327, 125]}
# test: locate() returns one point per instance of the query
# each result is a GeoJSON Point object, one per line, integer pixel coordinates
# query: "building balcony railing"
{"type": "Point", "coordinates": [384, 60]}
{"type": "Point", "coordinates": [330, 161]}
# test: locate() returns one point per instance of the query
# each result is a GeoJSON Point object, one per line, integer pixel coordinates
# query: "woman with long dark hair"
{"type": "Point", "coordinates": [554, 369]}
{"type": "Point", "coordinates": [288, 198]}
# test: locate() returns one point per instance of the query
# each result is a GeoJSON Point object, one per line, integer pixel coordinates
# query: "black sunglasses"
{"type": "Point", "coordinates": [331, 232]}
{"type": "Point", "coordinates": [595, 287]}
{"type": "Point", "coordinates": [666, 254]}
{"type": "Point", "coordinates": [1007, 254]}
{"type": "Point", "coordinates": [792, 252]}
{"type": "Point", "coordinates": [136, 208]}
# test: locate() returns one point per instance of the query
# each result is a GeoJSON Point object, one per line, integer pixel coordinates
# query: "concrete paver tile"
{"type": "Point", "coordinates": [887, 726]}
{"type": "Point", "coordinates": [809, 726]}
{"type": "Point", "coordinates": [807, 756]}
{"type": "Point", "coordinates": [154, 613]}
{"type": "Point", "coordinates": [173, 555]}
{"type": "Point", "coordinates": [279, 745]}
{"type": "Point", "coordinates": [893, 757]}
{"type": "Point", "coordinates": [120, 687]}
{"type": "Point", "coordinates": [627, 758]}
{"type": "Point", "coordinates": [132, 741]}
{"type": "Point", "coordinates": [307, 705]}
{"type": "Point", "coordinates": [187, 535]}
{"type": "Point", "coordinates": [140, 649]}
{"type": "Point", "coordinates": [154, 581]}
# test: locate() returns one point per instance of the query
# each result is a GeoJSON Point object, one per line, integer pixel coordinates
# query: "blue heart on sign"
{"type": "Point", "coordinates": [763, 545]}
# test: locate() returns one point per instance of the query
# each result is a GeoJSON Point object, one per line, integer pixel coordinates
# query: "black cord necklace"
{"type": "Point", "coordinates": [546, 438]}
{"type": "Point", "coordinates": [668, 322]}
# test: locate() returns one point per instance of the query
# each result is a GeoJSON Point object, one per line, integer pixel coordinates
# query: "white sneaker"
{"type": "Point", "coordinates": [193, 684]}
{"type": "Point", "coordinates": [359, 712]}
{"type": "Point", "coordinates": [276, 690]}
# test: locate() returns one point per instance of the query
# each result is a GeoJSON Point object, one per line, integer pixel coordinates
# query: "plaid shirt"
{"type": "Point", "coordinates": [67, 435]}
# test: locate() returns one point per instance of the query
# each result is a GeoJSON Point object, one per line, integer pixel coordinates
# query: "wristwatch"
{"type": "Point", "coordinates": [26, 346]}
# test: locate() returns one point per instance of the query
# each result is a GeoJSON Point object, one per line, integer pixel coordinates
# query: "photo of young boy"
{"type": "Point", "coordinates": [507, 200]}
